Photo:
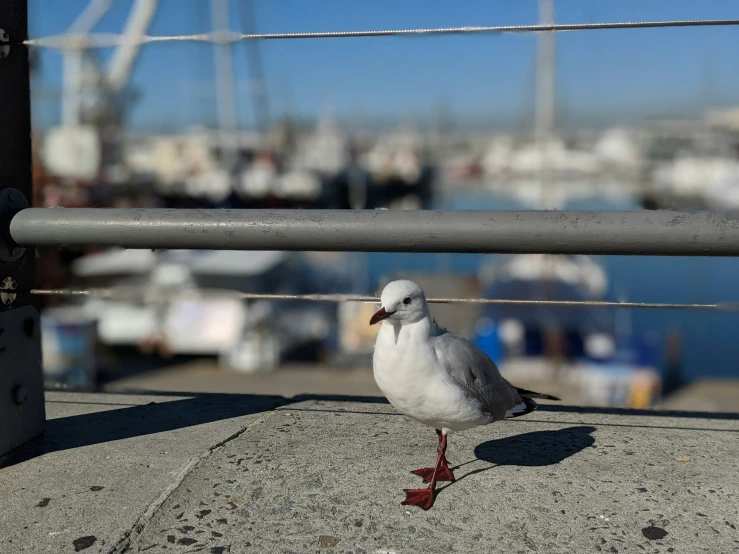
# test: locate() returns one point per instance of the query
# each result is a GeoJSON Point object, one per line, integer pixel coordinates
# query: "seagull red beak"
{"type": "Point", "coordinates": [380, 315]}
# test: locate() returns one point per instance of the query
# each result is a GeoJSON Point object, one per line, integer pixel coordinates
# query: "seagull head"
{"type": "Point", "coordinates": [401, 302]}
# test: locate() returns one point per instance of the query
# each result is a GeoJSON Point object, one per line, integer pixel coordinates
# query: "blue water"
{"type": "Point", "coordinates": [710, 340]}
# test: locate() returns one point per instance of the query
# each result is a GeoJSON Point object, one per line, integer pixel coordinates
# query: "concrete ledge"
{"type": "Point", "coordinates": [106, 463]}
{"type": "Point", "coordinates": [217, 473]}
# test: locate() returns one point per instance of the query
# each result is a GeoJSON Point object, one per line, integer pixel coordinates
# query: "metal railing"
{"type": "Point", "coordinates": [22, 408]}
{"type": "Point", "coordinates": [484, 232]}
{"type": "Point", "coordinates": [550, 232]}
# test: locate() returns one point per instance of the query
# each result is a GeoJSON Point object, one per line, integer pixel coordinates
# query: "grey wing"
{"type": "Point", "coordinates": [474, 371]}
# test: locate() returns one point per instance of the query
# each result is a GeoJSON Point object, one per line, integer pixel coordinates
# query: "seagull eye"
{"type": "Point", "coordinates": [407, 300]}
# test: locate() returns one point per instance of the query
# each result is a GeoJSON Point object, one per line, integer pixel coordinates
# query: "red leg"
{"type": "Point", "coordinates": [444, 473]}
{"type": "Point", "coordinates": [424, 498]}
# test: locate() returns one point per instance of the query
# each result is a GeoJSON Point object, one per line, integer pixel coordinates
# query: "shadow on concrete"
{"type": "Point", "coordinates": [535, 449]}
{"type": "Point", "coordinates": [539, 448]}
{"type": "Point", "coordinates": [631, 425]}
{"type": "Point", "coordinates": [636, 412]}
{"type": "Point", "coordinates": [130, 421]}
{"type": "Point", "coordinates": [541, 408]}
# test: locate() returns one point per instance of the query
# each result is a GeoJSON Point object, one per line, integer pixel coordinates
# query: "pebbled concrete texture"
{"type": "Point", "coordinates": [328, 477]}
{"type": "Point", "coordinates": [107, 462]}
{"type": "Point", "coordinates": [217, 473]}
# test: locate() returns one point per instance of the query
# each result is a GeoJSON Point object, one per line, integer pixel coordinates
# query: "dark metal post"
{"type": "Point", "coordinates": [21, 380]}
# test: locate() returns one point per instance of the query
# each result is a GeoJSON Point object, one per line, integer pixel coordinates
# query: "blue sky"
{"type": "Point", "coordinates": [603, 76]}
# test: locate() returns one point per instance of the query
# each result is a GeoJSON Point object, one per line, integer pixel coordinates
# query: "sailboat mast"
{"type": "Point", "coordinates": [545, 103]}
{"type": "Point", "coordinates": [225, 87]}
{"type": "Point", "coordinates": [257, 82]}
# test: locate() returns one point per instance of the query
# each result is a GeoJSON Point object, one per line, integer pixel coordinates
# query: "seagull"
{"type": "Point", "coordinates": [437, 378]}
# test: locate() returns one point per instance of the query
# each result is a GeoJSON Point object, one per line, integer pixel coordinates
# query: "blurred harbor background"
{"type": "Point", "coordinates": [614, 120]}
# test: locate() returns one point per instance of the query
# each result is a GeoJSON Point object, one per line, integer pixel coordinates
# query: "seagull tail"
{"type": "Point", "coordinates": [526, 406]}
{"type": "Point", "coordinates": [523, 393]}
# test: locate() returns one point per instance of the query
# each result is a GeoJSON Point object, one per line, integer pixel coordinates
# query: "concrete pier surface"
{"type": "Point", "coordinates": [216, 473]}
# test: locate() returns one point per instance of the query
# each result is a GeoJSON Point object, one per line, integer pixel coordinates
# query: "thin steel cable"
{"type": "Point", "coordinates": [107, 40]}
{"type": "Point", "coordinates": [123, 292]}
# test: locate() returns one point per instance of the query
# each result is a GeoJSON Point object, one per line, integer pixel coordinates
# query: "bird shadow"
{"type": "Point", "coordinates": [535, 449]}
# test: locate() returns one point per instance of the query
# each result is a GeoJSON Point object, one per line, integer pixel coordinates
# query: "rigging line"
{"type": "Point", "coordinates": [106, 40]}
{"type": "Point", "coordinates": [124, 292]}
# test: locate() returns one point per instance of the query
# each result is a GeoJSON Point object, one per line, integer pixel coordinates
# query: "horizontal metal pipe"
{"type": "Point", "coordinates": [639, 233]}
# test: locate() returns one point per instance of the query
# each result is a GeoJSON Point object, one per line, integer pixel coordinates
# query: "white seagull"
{"type": "Point", "coordinates": [437, 378]}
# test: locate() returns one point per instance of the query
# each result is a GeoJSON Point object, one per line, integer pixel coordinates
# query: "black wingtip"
{"type": "Point", "coordinates": [523, 393]}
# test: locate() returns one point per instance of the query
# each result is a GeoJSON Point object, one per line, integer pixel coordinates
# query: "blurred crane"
{"type": "Point", "coordinates": [95, 98]}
